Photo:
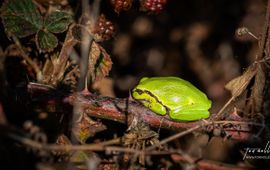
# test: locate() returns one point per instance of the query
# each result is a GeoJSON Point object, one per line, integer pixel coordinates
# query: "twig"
{"type": "Point", "coordinates": [252, 35]}
{"type": "Point", "coordinates": [55, 147]}
{"type": "Point", "coordinates": [248, 75]}
{"type": "Point", "coordinates": [225, 122]}
{"type": "Point", "coordinates": [105, 146]}
{"type": "Point", "coordinates": [243, 30]}
{"type": "Point", "coordinates": [173, 137]}
{"type": "Point", "coordinates": [218, 115]}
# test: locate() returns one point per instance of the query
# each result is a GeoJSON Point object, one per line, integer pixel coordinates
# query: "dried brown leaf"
{"type": "Point", "coordinates": [93, 57]}
{"type": "Point", "coordinates": [62, 140]}
{"type": "Point", "coordinates": [239, 84]}
{"type": "Point", "coordinates": [103, 65]}
{"type": "Point", "coordinates": [100, 62]}
{"type": "Point", "coordinates": [47, 70]}
{"type": "Point", "coordinates": [71, 78]}
{"type": "Point", "coordinates": [257, 90]}
{"type": "Point", "coordinates": [86, 127]}
{"type": "Point", "coordinates": [79, 156]}
{"type": "Point", "coordinates": [84, 156]}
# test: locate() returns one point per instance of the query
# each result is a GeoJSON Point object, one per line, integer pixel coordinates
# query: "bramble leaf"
{"type": "Point", "coordinates": [86, 127]}
{"type": "Point", "coordinates": [57, 21]}
{"type": "Point", "coordinates": [100, 62]}
{"type": "Point", "coordinates": [46, 41]}
{"type": "Point", "coordinates": [237, 85]}
{"type": "Point", "coordinates": [103, 64]}
{"type": "Point", "coordinates": [21, 18]}
{"type": "Point", "coordinates": [93, 57]}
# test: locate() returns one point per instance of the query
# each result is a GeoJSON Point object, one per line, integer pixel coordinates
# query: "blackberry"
{"type": "Point", "coordinates": [104, 28]}
{"type": "Point", "coordinates": [153, 5]}
{"type": "Point", "coordinates": [121, 5]}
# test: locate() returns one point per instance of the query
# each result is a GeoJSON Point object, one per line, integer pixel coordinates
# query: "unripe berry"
{"type": "Point", "coordinates": [153, 5]}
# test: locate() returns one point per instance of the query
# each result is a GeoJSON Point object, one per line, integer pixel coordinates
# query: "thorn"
{"type": "Point", "coordinates": [161, 121]}
{"type": "Point", "coordinates": [85, 91]}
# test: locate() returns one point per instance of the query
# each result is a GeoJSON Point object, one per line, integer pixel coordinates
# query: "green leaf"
{"type": "Point", "coordinates": [58, 21]}
{"type": "Point", "coordinates": [21, 17]}
{"type": "Point", "coordinates": [46, 41]}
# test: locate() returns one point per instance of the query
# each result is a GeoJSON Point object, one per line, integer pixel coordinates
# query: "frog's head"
{"type": "Point", "coordinates": [143, 79]}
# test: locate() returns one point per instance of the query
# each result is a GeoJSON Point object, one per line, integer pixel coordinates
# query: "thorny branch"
{"type": "Point", "coordinates": [125, 110]}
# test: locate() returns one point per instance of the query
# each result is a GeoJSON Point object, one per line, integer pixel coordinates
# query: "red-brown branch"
{"type": "Point", "coordinates": [124, 110]}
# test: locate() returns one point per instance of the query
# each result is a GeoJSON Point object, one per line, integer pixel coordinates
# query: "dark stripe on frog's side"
{"type": "Point", "coordinates": [152, 95]}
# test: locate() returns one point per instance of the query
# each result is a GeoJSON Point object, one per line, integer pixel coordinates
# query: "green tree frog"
{"type": "Point", "coordinates": [173, 96]}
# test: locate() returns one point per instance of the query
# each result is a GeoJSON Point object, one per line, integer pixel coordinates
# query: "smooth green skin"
{"type": "Point", "coordinates": [173, 96]}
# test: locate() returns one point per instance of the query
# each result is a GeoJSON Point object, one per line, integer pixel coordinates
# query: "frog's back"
{"type": "Point", "coordinates": [173, 88]}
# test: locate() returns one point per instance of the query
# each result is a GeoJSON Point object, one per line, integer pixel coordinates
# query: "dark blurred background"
{"type": "Point", "coordinates": [194, 39]}
{"type": "Point", "coordinates": [191, 39]}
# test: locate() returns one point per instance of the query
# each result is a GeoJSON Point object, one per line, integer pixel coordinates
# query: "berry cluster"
{"type": "Point", "coordinates": [121, 5]}
{"type": "Point", "coordinates": [153, 5]}
{"type": "Point", "coordinates": [104, 28]}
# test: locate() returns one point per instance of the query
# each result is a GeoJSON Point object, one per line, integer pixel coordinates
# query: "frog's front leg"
{"type": "Point", "coordinates": [189, 113]}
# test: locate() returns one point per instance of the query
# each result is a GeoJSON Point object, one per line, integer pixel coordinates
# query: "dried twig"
{"type": "Point", "coordinates": [55, 147]}
{"type": "Point", "coordinates": [105, 146]}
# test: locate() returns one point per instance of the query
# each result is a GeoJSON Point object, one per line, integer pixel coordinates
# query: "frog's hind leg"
{"type": "Point", "coordinates": [189, 115]}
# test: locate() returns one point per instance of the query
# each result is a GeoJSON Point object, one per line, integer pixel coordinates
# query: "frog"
{"type": "Point", "coordinates": [172, 96]}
